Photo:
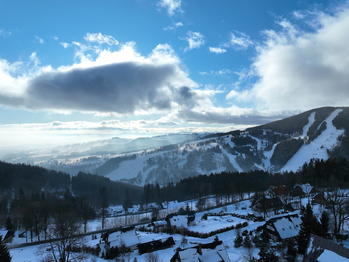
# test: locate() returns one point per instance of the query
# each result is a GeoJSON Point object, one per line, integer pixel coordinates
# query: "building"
{"type": "Point", "coordinates": [211, 252]}
{"type": "Point", "coordinates": [181, 218]}
{"type": "Point", "coordinates": [320, 249]}
{"type": "Point", "coordinates": [126, 236]}
{"type": "Point", "coordinates": [319, 199]}
{"type": "Point", "coordinates": [267, 205]}
{"type": "Point", "coordinates": [283, 227]}
{"type": "Point", "coordinates": [303, 190]}
{"type": "Point", "coordinates": [155, 245]}
{"type": "Point", "coordinates": [280, 190]}
{"type": "Point", "coordinates": [149, 207]}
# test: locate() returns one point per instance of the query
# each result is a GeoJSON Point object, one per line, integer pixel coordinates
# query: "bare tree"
{"type": "Point", "coordinates": [65, 246]}
{"type": "Point", "coordinates": [152, 257]}
{"type": "Point", "coordinates": [339, 208]}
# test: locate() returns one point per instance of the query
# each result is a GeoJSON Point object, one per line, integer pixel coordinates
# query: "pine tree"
{"type": "Point", "coordinates": [325, 221]}
{"type": "Point", "coordinates": [238, 241]}
{"type": "Point", "coordinates": [247, 242]}
{"type": "Point", "coordinates": [291, 252]}
{"type": "Point", "coordinates": [10, 226]}
{"type": "Point", "coordinates": [309, 224]}
{"type": "Point", "coordinates": [4, 253]}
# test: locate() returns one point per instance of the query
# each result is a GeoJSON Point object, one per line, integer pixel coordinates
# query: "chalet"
{"type": "Point", "coordinates": [266, 205]}
{"type": "Point", "coordinates": [180, 219]}
{"type": "Point", "coordinates": [211, 252]}
{"type": "Point", "coordinates": [320, 249]}
{"type": "Point", "coordinates": [283, 227]}
{"type": "Point", "coordinates": [319, 199]}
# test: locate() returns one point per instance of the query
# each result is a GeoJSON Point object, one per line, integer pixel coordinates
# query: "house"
{"type": "Point", "coordinates": [280, 190]}
{"type": "Point", "coordinates": [320, 249]}
{"type": "Point", "coordinates": [319, 199]}
{"type": "Point", "coordinates": [126, 236]}
{"type": "Point", "coordinates": [155, 245]}
{"type": "Point", "coordinates": [211, 252]}
{"type": "Point", "coordinates": [303, 190]}
{"type": "Point", "coordinates": [283, 227]}
{"type": "Point", "coordinates": [266, 205]}
{"type": "Point", "coordinates": [159, 224]}
{"type": "Point", "coordinates": [181, 218]}
{"type": "Point", "coordinates": [149, 207]}
{"type": "Point", "coordinates": [177, 220]}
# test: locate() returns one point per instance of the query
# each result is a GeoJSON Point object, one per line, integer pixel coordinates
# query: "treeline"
{"type": "Point", "coordinates": [30, 178]}
{"type": "Point", "coordinates": [34, 212]}
{"type": "Point", "coordinates": [91, 186]}
{"type": "Point", "coordinates": [319, 173]}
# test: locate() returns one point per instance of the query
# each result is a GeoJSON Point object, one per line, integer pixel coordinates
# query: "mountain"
{"type": "Point", "coordinates": [283, 145]}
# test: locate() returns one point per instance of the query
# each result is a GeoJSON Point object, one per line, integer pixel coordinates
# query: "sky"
{"type": "Point", "coordinates": [75, 71]}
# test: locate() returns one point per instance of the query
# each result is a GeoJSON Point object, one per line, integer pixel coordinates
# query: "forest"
{"type": "Point", "coordinates": [29, 193]}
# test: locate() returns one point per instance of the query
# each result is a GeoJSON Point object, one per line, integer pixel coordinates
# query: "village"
{"type": "Point", "coordinates": [254, 228]}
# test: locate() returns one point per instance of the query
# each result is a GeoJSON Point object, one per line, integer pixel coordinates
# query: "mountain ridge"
{"type": "Point", "coordinates": [283, 145]}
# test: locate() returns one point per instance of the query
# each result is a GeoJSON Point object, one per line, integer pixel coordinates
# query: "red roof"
{"type": "Point", "coordinates": [280, 190]}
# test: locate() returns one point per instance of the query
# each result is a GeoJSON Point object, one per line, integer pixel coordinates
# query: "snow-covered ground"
{"type": "Point", "coordinates": [213, 223]}
{"type": "Point", "coordinates": [328, 139]}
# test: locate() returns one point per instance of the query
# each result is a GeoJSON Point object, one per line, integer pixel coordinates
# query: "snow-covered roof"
{"type": "Point", "coordinates": [213, 255]}
{"type": "Point", "coordinates": [331, 256]}
{"type": "Point", "coordinates": [179, 221]}
{"type": "Point", "coordinates": [129, 238]}
{"type": "Point", "coordinates": [287, 228]}
{"type": "Point", "coordinates": [306, 188]}
{"type": "Point", "coordinates": [160, 223]}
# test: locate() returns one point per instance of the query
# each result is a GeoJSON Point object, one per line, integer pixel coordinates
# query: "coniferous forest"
{"type": "Point", "coordinates": [33, 181]}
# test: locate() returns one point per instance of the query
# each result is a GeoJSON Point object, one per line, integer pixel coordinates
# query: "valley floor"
{"type": "Point", "coordinates": [29, 254]}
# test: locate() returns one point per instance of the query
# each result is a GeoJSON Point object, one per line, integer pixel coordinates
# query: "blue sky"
{"type": "Point", "coordinates": [73, 71]}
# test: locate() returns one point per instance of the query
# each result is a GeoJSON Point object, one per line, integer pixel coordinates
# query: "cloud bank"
{"type": "Point", "coordinates": [121, 82]}
{"type": "Point", "coordinates": [301, 70]}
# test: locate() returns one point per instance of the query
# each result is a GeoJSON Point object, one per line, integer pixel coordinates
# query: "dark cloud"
{"type": "Point", "coordinates": [226, 117]}
{"type": "Point", "coordinates": [121, 88]}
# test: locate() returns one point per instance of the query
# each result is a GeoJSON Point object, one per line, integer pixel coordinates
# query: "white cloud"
{"type": "Point", "coordinates": [302, 70]}
{"type": "Point", "coordinates": [195, 40]}
{"type": "Point", "coordinates": [101, 39]}
{"type": "Point", "coordinates": [65, 45]}
{"type": "Point", "coordinates": [222, 72]}
{"type": "Point", "coordinates": [55, 38]}
{"type": "Point", "coordinates": [173, 27]}
{"type": "Point", "coordinates": [4, 33]}
{"type": "Point", "coordinates": [239, 40]}
{"type": "Point", "coordinates": [172, 6]}
{"type": "Point", "coordinates": [217, 50]}
{"type": "Point", "coordinates": [41, 41]}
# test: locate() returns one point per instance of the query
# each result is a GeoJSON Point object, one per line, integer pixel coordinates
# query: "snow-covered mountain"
{"type": "Point", "coordinates": [284, 145]}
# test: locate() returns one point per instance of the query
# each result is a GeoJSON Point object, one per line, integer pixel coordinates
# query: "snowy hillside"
{"type": "Point", "coordinates": [284, 145]}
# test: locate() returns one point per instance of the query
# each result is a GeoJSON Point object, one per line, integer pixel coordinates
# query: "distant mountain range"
{"type": "Point", "coordinates": [283, 145]}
